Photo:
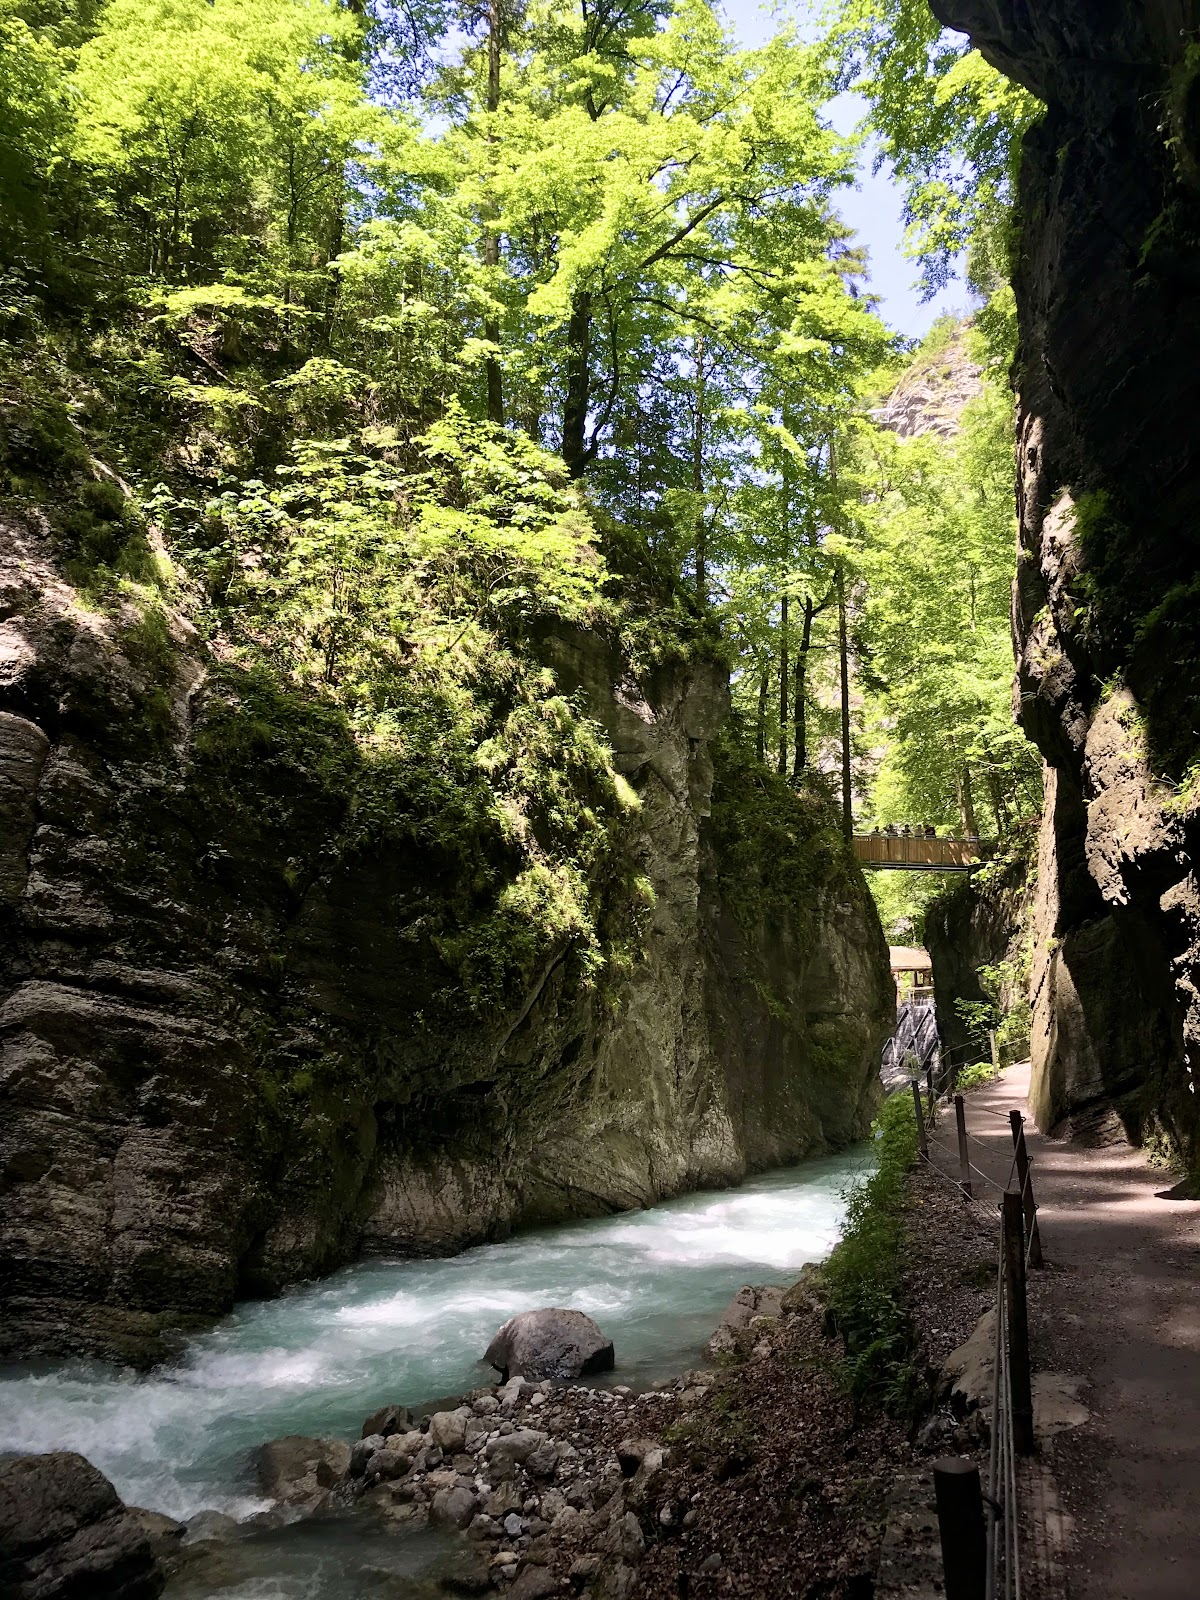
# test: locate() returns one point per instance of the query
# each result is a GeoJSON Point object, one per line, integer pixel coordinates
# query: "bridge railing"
{"type": "Point", "coordinates": [918, 854]}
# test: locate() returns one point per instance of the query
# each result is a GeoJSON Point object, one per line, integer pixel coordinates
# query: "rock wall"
{"type": "Point", "coordinates": [216, 1069]}
{"type": "Point", "coordinates": [1105, 617]}
{"type": "Point", "coordinates": [978, 924]}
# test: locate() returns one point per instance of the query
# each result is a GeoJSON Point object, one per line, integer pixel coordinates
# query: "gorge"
{"type": "Point", "coordinates": [218, 1074]}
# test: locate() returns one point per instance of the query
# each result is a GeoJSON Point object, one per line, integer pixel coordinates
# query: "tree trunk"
{"type": "Point", "coordinates": [783, 686]}
{"type": "Point", "coordinates": [764, 689]}
{"type": "Point", "coordinates": [966, 802]}
{"type": "Point", "coordinates": [698, 480]}
{"type": "Point", "coordinates": [844, 662]}
{"type": "Point", "coordinates": [999, 805]}
{"type": "Point", "coordinates": [800, 694]}
{"type": "Point", "coordinates": [575, 408]}
{"type": "Point", "coordinates": [491, 239]}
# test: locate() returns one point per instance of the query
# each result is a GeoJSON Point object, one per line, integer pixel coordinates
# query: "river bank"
{"type": "Point", "coordinates": [318, 1359]}
{"type": "Point", "coordinates": [782, 1466]}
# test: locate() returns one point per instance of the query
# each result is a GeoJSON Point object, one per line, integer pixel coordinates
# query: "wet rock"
{"type": "Point", "coordinates": [207, 1527]}
{"type": "Point", "coordinates": [464, 1571]}
{"type": "Point", "coordinates": [405, 1514]}
{"type": "Point", "coordinates": [65, 1533]}
{"type": "Point", "coordinates": [388, 1419]}
{"type": "Point", "coordinates": [163, 1532]}
{"type": "Point", "coordinates": [534, 1583]}
{"type": "Point", "coordinates": [448, 1429]}
{"type": "Point", "coordinates": [361, 1452]}
{"type": "Point", "coordinates": [747, 1304]}
{"type": "Point", "coordinates": [550, 1344]}
{"type": "Point", "coordinates": [298, 1471]}
{"type": "Point", "coordinates": [452, 1508]}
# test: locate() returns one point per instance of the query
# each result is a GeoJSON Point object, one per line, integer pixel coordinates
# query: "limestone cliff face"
{"type": "Point", "coordinates": [215, 1072]}
{"type": "Point", "coordinates": [1105, 617]}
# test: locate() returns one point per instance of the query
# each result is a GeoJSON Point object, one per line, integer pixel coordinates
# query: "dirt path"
{"type": "Point", "coordinates": [1118, 1306]}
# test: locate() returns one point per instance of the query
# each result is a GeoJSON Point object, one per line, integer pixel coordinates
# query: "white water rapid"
{"type": "Point", "coordinates": [322, 1356]}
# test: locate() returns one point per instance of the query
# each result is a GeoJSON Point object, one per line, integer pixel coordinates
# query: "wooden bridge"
{"type": "Point", "coordinates": [915, 853]}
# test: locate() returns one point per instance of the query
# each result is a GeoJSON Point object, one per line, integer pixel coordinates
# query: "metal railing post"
{"type": "Point", "coordinates": [922, 1141]}
{"type": "Point", "coordinates": [960, 1523]}
{"type": "Point", "coordinates": [1017, 1319]}
{"type": "Point", "coordinates": [964, 1156]}
{"type": "Point", "coordinates": [995, 1049]}
{"type": "Point", "coordinates": [1033, 1239]}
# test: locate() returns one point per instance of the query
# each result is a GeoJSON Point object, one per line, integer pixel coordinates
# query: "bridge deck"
{"type": "Point", "coordinates": [916, 854]}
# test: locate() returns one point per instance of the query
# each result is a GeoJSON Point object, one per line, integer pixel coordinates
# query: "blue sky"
{"type": "Point", "coordinates": [873, 209]}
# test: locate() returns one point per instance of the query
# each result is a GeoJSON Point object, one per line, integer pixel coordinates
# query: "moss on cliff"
{"type": "Point", "coordinates": [781, 850]}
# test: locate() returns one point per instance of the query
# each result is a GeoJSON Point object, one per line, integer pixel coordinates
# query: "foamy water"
{"type": "Point", "coordinates": [319, 1358]}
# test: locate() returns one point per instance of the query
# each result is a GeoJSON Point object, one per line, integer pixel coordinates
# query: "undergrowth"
{"type": "Point", "coordinates": [862, 1282]}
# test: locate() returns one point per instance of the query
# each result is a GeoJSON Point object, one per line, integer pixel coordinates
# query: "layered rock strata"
{"type": "Point", "coordinates": [1105, 614]}
{"type": "Point", "coordinates": [217, 1072]}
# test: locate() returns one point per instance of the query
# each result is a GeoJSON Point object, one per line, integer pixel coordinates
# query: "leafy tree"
{"type": "Point", "coordinates": [950, 125]}
{"type": "Point", "coordinates": [935, 541]}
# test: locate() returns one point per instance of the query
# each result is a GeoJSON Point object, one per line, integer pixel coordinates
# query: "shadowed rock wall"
{"type": "Point", "coordinates": [217, 1069]}
{"type": "Point", "coordinates": [978, 924]}
{"type": "Point", "coordinates": [1105, 613]}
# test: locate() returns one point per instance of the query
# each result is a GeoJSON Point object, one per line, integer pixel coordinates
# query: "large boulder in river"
{"type": "Point", "coordinates": [549, 1344]}
{"type": "Point", "coordinates": [65, 1534]}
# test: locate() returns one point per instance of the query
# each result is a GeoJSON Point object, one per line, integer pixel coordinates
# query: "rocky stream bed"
{"type": "Point", "coordinates": [754, 1475]}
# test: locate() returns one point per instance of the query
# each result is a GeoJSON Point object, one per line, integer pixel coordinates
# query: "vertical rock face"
{"type": "Point", "coordinates": [215, 1071]}
{"type": "Point", "coordinates": [1105, 613]}
{"type": "Point", "coordinates": [977, 925]}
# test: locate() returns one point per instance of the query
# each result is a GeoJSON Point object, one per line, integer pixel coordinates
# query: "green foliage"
{"type": "Point", "coordinates": [951, 126]}
{"type": "Point", "coordinates": [1006, 1009]}
{"type": "Point", "coordinates": [781, 850]}
{"type": "Point", "coordinates": [862, 1282]}
{"type": "Point", "coordinates": [935, 529]}
{"type": "Point", "coordinates": [257, 312]}
{"type": "Point", "coordinates": [973, 1077]}
{"type": "Point", "coordinates": [901, 899]}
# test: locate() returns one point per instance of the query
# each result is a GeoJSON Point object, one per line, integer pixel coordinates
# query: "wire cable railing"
{"type": "Point", "coordinates": [980, 1520]}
